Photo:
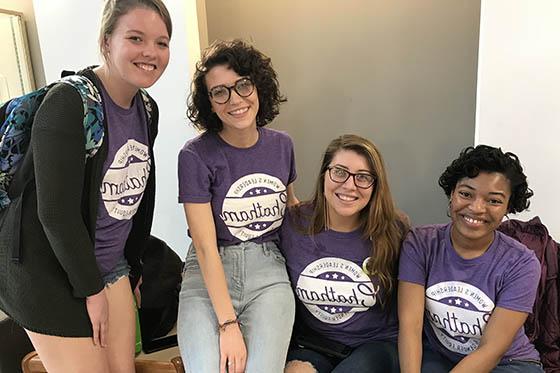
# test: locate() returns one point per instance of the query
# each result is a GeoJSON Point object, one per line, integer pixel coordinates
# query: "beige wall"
{"type": "Point", "coordinates": [402, 73]}
{"type": "Point", "coordinates": [26, 7]}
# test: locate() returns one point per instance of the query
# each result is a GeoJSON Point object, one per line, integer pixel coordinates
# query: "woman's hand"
{"type": "Point", "coordinates": [98, 312]}
{"type": "Point", "coordinates": [233, 352]}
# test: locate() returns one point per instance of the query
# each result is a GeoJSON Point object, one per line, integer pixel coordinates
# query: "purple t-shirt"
{"type": "Point", "coordinates": [125, 173]}
{"type": "Point", "coordinates": [462, 293]}
{"type": "Point", "coordinates": [245, 186]}
{"type": "Point", "coordinates": [335, 297]}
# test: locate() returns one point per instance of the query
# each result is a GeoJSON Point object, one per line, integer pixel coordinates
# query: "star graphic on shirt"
{"type": "Point", "coordinates": [335, 276]}
{"type": "Point", "coordinates": [458, 301]}
{"type": "Point", "coordinates": [257, 226]}
{"type": "Point", "coordinates": [131, 200]}
{"type": "Point", "coordinates": [258, 191]}
{"type": "Point", "coordinates": [333, 310]}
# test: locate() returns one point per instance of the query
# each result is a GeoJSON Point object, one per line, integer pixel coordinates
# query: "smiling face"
{"type": "Point", "coordinates": [345, 200]}
{"type": "Point", "coordinates": [477, 207]}
{"type": "Point", "coordinates": [238, 113]}
{"type": "Point", "coordinates": [137, 51]}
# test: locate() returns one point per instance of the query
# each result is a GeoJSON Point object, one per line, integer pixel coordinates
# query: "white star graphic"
{"type": "Point", "coordinates": [257, 226]}
{"type": "Point", "coordinates": [130, 200]}
{"type": "Point", "coordinates": [458, 301]}
{"type": "Point", "coordinates": [335, 276]}
{"type": "Point", "coordinates": [333, 310]}
{"type": "Point", "coordinates": [258, 191]}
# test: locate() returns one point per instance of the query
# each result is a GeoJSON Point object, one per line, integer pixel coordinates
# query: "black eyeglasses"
{"type": "Point", "coordinates": [221, 94]}
{"type": "Point", "coordinates": [340, 175]}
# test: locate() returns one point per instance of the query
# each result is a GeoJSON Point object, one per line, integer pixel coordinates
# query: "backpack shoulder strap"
{"type": "Point", "coordinates": [147, 104]}
{"type": "Point", "coordinates": [93, 111]}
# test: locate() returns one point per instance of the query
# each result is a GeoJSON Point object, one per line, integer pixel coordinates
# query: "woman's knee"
{"type": "Point", "coordinates": [298, 366]}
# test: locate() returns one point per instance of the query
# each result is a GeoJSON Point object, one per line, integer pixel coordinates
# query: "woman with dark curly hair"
{"type": "Point", "coordinates": [473, 286]}
{"type": "Point", "coordinates": [235, 181]}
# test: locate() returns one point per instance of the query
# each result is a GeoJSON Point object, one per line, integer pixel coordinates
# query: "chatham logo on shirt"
{"type": "Point", "coordinates": [458, 313]}
{"type": "Point", "coordinates": [254, 205]}
{"type": "Point", "coordinates": [125, 181]}
{"type": "Point", "coordinates": [335, 289]}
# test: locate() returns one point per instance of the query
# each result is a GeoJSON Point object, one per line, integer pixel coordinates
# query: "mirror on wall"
{"type": "Point", "coordinates": [16, 73]}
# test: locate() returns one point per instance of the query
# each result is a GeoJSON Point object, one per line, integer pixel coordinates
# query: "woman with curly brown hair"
{"type": "Point", "coordinates": [235, 181]}
{"type": "Point", "coordinates": [342, 250]}
{"type": "Point", "coordinates": [465, 285]}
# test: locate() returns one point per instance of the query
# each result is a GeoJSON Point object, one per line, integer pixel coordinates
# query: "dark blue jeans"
{"type": "Point", "coordinates": [433, 362]}
{"type": "Point", "coordinates": [374, 357]}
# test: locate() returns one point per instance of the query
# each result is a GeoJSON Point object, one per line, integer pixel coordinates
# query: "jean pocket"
{"type": "Point", "coordinates": [273, 250]}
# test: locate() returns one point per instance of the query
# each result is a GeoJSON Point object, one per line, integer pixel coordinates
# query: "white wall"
{"type": "Point", "coordinates": [518, 94]}
{"type": "Point", "coordinates": [69, 41]}
{"type": "Point", "coordinates": [26, 8]}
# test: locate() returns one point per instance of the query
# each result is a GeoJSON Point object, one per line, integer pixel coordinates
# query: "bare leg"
{"type": "Point", "coordinates": [296, 366]}
{"type": "Point", "coordinates": [122, 327]}
{"type": "Point", "coordinates": [63, 354]}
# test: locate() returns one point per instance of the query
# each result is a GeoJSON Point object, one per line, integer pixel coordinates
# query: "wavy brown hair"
{"type": "Point", "coordinates": [380, 221]}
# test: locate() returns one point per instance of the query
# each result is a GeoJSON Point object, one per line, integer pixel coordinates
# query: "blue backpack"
{"type": "Point", "coordinates": [17, 116]}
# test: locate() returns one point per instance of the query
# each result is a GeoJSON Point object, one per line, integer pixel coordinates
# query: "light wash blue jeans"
{"type": "Point", "coordinates": [263, 300]}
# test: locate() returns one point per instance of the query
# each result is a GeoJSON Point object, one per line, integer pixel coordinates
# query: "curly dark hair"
{"type": "Point", "coordinates": [245, 60]}
{"type": "Point", "coordinates": [484, 158]}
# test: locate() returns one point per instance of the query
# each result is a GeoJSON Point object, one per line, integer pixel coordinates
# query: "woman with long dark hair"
{"type": "Point", "coordinates": [342, 249]}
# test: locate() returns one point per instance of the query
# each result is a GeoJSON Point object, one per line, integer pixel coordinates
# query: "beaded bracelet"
{"type": "Point", "coordinates": [222, 326]}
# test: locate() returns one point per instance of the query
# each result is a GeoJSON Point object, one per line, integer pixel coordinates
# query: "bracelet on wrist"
{"type": "Point", "coordinates": [222, 327]}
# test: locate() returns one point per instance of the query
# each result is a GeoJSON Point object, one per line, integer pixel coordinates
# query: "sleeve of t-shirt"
{"type": "Point", "coordinates": [519, 284]}
{"type": "Point", "coordinates": [412, 262]}
{"type": "Point", "coordinates": [194, 177]}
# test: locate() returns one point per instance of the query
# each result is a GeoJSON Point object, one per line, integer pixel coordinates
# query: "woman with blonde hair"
{"type": "Point", "coordinates": [84, 225]}
{"type": "Point", "coordinates": [341, 250]}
